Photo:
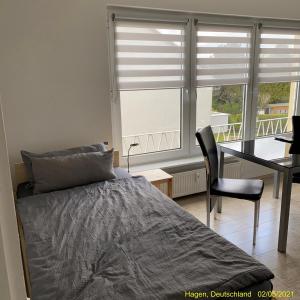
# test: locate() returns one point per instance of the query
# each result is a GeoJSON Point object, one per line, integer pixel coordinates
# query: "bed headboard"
{"type": "Point", "coordinates": [22, 176]}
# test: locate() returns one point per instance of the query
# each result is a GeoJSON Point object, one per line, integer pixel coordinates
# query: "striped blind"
{"type": "Point", "coordinates": [223, 55]}
{"type": "Point", "coordinates": [279, 58]}
{"type": "Point", "coordinates": [149, 55]}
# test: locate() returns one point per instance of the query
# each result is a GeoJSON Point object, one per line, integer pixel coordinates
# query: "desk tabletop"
{"type": "Point", "coordinates": [266, 150]}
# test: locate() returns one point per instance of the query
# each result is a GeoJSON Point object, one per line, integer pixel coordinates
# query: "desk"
{"type": "Point", "coordinates": [273, 154]}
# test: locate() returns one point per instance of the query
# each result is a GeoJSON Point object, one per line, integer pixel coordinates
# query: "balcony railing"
{"type": "Point", "coordinates": [233, 131]}
{"type": "Point", "coordinates": [167, 140]}
{"type": "Point", "coordinates": [152, 142]}
{"type": "Point", "coordinates": [272, 126]}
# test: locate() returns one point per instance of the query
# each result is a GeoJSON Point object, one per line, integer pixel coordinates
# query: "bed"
{"type": "Point", "coordinates": [124, 239]}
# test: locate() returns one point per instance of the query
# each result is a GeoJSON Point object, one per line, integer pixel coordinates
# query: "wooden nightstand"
{"type": "Point", "coordinates": [157, 177]}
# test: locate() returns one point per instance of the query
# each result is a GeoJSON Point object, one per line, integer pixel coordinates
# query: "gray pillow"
{"type": "Point", "coordinates": [61, 172]}
{"type": "Point", "coordinates": [27, 156]}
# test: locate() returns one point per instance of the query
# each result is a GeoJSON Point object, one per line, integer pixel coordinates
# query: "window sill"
{"type": "Point", "coordinates": [175, 166]}
{"type": "Point", "coordinates": [167, 164]}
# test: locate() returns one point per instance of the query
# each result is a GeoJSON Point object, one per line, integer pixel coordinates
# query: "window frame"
{"type": "Point", "coordinates": [189, 92]}
{"type": "Point", "coordinates": [268, 24]}
{"type": "Point", "coordinates": [194, 149]}
{"type": "Point", "coordinates": [164, 155]}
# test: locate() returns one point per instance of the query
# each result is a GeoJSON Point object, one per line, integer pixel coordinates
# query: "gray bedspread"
{"type": "Point", "coordinates": [124, 239]}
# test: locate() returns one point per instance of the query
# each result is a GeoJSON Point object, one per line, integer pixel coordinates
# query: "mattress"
{"type": "Point", "coordinates": [124, 239]}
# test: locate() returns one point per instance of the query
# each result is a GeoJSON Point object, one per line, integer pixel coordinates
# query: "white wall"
{"type": "Point", "coordinates": [54, 65]}
{"type": "Point", "coordinates": [54, 74]}
{"type": "Point", "coordinates": [4, 286]}
{"type": "Point", "coordinates": [11, 273]}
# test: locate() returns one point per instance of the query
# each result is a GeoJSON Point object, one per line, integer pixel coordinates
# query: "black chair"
{"type": "Point", "coordinates": [295, 147]}
{"type": "Point", "coordinates": [296, 129]}
{"type": "Point", "coordinates": [294, 150]}
{"type": "Point", "coordinates": [246, 189]}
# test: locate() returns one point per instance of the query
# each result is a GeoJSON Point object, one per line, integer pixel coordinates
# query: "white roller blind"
{"type": "Point", "coordinates": [223, 55]}
{"type": "Point", "coordinates": [279, 58]}
{"type": "Point", "coordinates": [149, 55]}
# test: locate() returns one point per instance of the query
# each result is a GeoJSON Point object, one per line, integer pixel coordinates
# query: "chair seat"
{"type": "Point", "coordinates": [247, 189]}
{"type": "Point", "coordinates": [296, 178]}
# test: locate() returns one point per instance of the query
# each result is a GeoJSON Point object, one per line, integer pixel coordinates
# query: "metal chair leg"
{"type": "Point", "coordinates": [215, 212]}
{"type": "Point", "coordinates": [214, 202]}
{"type": "Point", "coordinates": [219, 205]}
{"type": "Point", "coordinates": [208, 209]}
{"type": "Point", "coordinates": [256, 212]}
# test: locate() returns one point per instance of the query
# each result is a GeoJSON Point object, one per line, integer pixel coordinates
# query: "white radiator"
{"type": "Point", "coordinates": [191, 182]}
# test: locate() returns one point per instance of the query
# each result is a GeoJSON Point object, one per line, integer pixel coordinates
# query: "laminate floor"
{"type": "Point", "coordinates": [236, 225]}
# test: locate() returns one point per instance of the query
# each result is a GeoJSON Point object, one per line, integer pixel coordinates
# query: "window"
{"type": "Point", "coordinates": [150, 72]}
{"type": "Point", "coordinates": [223, 63]}
{"type": "Point", "coordinates": [278, 72]}
{"type": "Point", "coordinates": [274, 108]}
{"type": "Point", "coordinates": [151, 118]}
{"type": "Point", "coordinates": [222, 108]}
{"type": "Point", "coordinates": [174, 73]}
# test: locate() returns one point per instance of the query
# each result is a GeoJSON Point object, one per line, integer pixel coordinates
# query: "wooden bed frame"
{"type": "Point", "coordinates": [20, 177]}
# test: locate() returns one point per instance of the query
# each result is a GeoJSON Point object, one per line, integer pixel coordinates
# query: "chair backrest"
{"type": "Point", "coordinates": [208, 146]}
{"type": "Point", "coordinates": [296, 128]}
